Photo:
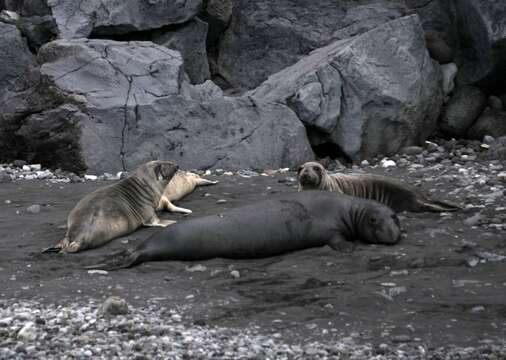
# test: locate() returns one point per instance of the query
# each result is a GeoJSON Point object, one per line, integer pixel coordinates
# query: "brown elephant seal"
{"type": "Point", "coordinates": [183, 183]}
{"type": "Point", "coordinates": [386, 190]}
{"type": "Point", "coordinates": [117, 209]}
{"type": "Point", "coordinates": [266, 228]}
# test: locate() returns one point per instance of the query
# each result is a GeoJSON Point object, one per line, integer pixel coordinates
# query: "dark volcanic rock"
{"type": "Point", "coordinates": [38, 30]}
{"type": "Point", "coordinates": [266, 36]}
{"type": "Point", "coordinates": [482, 30]}
{"type": "Point", "coordinates": [464, 107]}
{"type": "Point", "coordinates": [80, 18]}
{"type": "Point", "coordinates": [365, 94]}
{"type": "Point", "coordinates": [438, 48]}
{"type": "Point", "coordinates": [492, 122]}
{"type": "Point", "coordinates": [28, 7]}
{"type": "Point", "coordinates": [190, 41]}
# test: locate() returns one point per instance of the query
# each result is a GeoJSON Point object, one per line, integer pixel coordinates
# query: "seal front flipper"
{"type": "Point", "coordinates": [118, 260]}
{"type": "Point", "coordinates": [339, 243]}
{"type": "Point", "coordinates": [156, 221]}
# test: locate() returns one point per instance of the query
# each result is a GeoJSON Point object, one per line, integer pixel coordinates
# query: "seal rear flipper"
{"type": "Point", "coordinates": [58, 247]}
{"type": "Point", "coordinates": [440, 206]}
{"type": "Point", "coordinates": [118, 260]}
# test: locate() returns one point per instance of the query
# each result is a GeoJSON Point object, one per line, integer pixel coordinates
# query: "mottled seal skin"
{"type": "Point", "coordinates": [117, 209]}
{"type": "Point", "coordinates": [183, 183]}
{"type": "Point", "coordinates": [290, 222]}
{"type": "Point", "coordinates": [389, 191]}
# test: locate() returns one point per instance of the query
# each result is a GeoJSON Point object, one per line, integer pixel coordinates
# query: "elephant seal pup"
{"type": "Point", "coordinates": [117, 209]}
{"type": "Point", "coordinates": [290, 222]}
{"type": "Point", "coordinates": [386, 190]}
{"type": "Point", "coordinates": [183, 183]}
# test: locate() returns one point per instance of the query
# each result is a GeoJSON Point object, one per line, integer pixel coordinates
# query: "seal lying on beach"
{"type": "Point", "coordinates": [117, 209]}
{"type": "Point", "coordinates": [389, 191]}
{"type": "Point", "coordinates": [183, 183]}
{"type": "Point", "coordinates": [291, 222]}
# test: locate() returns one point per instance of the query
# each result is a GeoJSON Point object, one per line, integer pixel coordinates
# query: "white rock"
{"type": "Point", "coordinates": [35, 167]}
{"type": "Point", "coordinates": [90, 177]}
{"type": "Point", "coordinates": [386, 163]}
{"type": "Point", "coordinates": [33, 209]}
{"type": "Point", "coordinates": [28, 332]}
{"type": "Point", "coordinates": [26, 168]}
{"type": "Point", "coordinates": [235, 274]}
{"type": "Point", "coordinates": [100, 272]}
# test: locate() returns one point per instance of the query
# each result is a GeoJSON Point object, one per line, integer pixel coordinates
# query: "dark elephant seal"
{"type": "Point", "coordinates": [117, 209]}
{"type": "Point", "coordinates": [386, 190]}
{"type": "Point", "coordinates": [291, 222]}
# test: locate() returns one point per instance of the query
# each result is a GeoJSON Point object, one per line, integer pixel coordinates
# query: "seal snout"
{"type": "Point", "coordinates": [310, 174]}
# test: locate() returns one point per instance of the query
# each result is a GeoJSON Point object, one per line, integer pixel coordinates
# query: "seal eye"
{"type": "Point", "coordinates": [316, 168]}
{"type": "Point", "coordinates": [373, 221]}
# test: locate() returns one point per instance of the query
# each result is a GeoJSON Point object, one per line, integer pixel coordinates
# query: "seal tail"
{"type": "Point", "coordinates": [441, 206]}
{"type": "Point", "coordinates": [119, 260]}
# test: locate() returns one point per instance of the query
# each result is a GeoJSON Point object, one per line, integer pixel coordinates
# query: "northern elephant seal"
{"type": "Point", "coordinates": [117, 209]}
{"type": "Point", "coordinates": [291, 222]}
{"type": "Point", "coordinates": [183, 183]}
{"type": "Point", "coordinates": [386, 190]}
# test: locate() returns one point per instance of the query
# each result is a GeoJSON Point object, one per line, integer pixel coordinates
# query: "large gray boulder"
{"type": "Point", "coordinates": [27, 7]}
{"type": "Point", "coordinates": [491, 122]}
{"type": "Point", "coordinates": [461, 111]}
{"type": "Point", "coordinates": [482, 28]}
{"type": "Point", "coordinates": [80, 18]}
{"type": "Point", "coordinates": [122, 104]}
{"type": "Point", "coordinates": [190, 41]}
{"type": "Point", "coordinates": [372, 94]}
{"type": "Point", "coordinates": [266, 36]}
{"type": "Point", "coordinates": [19, 80]}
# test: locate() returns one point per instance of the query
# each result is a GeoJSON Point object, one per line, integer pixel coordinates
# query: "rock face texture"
{"type": "Point", "coordinates": [266, 36]}
{"type": "Point", "coordinates": [368, 94]}
{"type": "Point", "coordinates": [482, 28]}
{"type": "Point", "coordinates": [127, 103]}
{"type": "Point", "coordinates": [80, 18]}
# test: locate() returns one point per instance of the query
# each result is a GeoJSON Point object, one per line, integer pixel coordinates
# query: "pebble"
{"type": "Point", "coordinates": [235, 274]}
{"type": "Point", "coordinates": [28, 332]}
{"type": "Point", "coordinates": [386, 163]}
{"type": "Point", "coordinates": [477, 309]}
{"type": "Point", "coordinates": [4, 177]}
{"type": "Point", "coordinates": [221, 201]}
{"type": "Point", "coordinates": [33, 209]}
{"type": "Point", "coordinates": [90, 177]}
{"type": "Point", "coordinates": [198, 267]}
{"type": "Point", "coordinates": [114, 305]}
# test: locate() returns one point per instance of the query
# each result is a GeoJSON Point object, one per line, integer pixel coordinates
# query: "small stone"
{"type": "Point", "coordinates": [33, 209]}
{"type": "Point", "coordinates": [100, 272]}
{"type": "Point", "coordinates": [90, 177]}
{"type": "Point", "coordinates": [4, 177]}
{"type": "Point", "coordinates": [401, 339]}
{"type": "Point", "coordinates": [411, 150]}
{"type": "Point", "coordinates": [487, 139]}
{"type": "Point", "coordinates": [35, 167]}
{"type": "Point", "coordinates": [28, 332]}
{"type": "Point", "coordinates": [228, 173]}
{"type": "Point", "coordinates": [472, 262]}
{"type": "Point", "coordinates": [221, 201]}
{"type": "Point", "coordinates": [197, 267]}
{"type": "Point", "coordinates": [386, 163]}
{"type": "Point", "coordinates": [114, 305]}
{"type": "Point", "coordinates": [219, 171]}
{"type": "Point", "coordinates": [235, 274]}
{"type": "Point", "coordinates": [176, 317]}
{"type": "Point", "coordinates": [473, 220]}
{"type": "Point", "coordinates": [26, 168]}
{"type": "Point", "coordinates": [247, 173]}
{"type": "Point", "coordinates": [364, 163]}
{"type": "Point", "coordinates": [477, 309]}
{"type": "Point", "coordinates": [19, 163]}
